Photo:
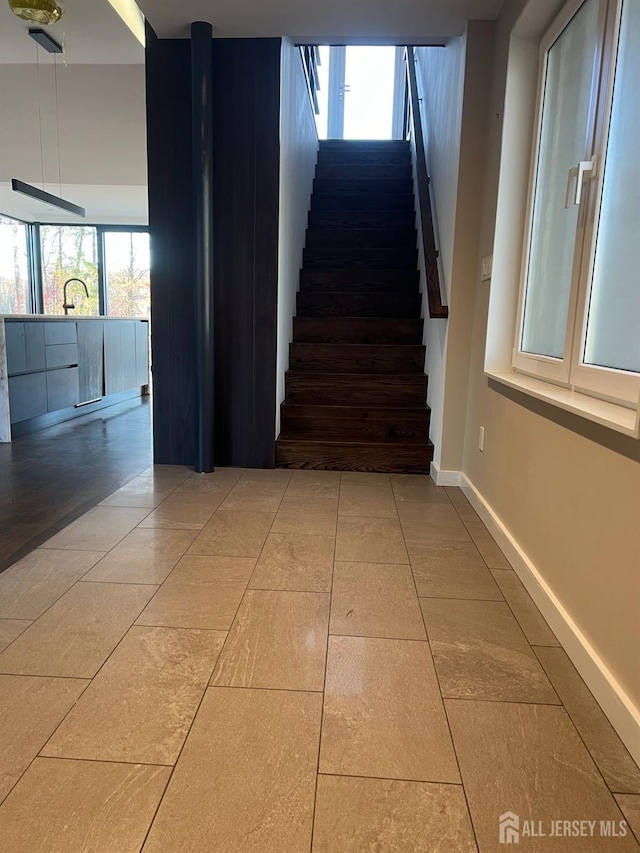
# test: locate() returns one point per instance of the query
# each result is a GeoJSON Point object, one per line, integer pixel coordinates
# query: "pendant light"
{"type": "Point", "coordinates": [44, 40]}
{"type": "Point", "coordinates": [39, 11]}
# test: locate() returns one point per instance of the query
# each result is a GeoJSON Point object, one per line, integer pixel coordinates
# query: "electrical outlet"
{"type": "Point", "coordinates": [487, 268]}
{"type": "Point", "coordinates": [481, 440]}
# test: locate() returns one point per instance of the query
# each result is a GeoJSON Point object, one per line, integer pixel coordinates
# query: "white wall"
{"type": "Point", "coordinates": [298, 156]}
{"type": "Point", "coordinates": [440, 74]}
{"type": "Point", "coordinates": [455, 83]}
{"type": "Point", "coordinates": [102, 127]}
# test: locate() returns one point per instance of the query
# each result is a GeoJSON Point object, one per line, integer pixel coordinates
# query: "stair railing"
{"type": "Point", "coordinates": [310, 56]}
{"type": "Point", "coordinates": [413, 119]}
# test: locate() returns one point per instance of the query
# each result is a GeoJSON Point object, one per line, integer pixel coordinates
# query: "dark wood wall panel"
{"type": "Point", "coordinates": [247, 152]}
{"type": "Point", "coordinates": [246, 187]}
{"type": "Point", "coordinates": [172, 255]}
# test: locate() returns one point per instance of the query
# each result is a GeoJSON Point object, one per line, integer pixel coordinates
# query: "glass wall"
{"type": "Point", "coordinates": [37, 259]}
{"type": "Point", "coordinates": [14, 267]}
{"type": "Point", "coordinates": [126, 261]}
{"type": "Point", "coordinates": [69, 251]}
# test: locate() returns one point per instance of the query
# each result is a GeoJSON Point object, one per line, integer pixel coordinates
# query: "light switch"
{"type": "Point", "coordinates": [487, 268]}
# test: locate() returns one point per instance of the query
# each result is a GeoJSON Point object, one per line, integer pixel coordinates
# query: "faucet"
{"type": "Point", "coordinates": [67, 305]}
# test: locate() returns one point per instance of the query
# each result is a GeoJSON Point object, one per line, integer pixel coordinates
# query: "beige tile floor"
{"type": "Point", "coordinates": [272, 661]}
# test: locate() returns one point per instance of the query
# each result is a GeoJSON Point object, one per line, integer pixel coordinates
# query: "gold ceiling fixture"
{"type": "Point", "coordinates": [39, 11]}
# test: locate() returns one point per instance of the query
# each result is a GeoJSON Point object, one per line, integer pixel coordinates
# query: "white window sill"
{"type": "Point", "coordinates": [601, 412]}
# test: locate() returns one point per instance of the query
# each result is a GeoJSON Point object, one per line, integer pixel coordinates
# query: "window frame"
{"type": "Point", "coordinates": [32, 300]}
{"type": "Point", "coordinates": [571, 372]}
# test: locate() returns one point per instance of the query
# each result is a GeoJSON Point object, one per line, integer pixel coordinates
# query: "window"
{"type": "Point", "coordinates": [69, 251]}
{"type": "Point", "coordinates": [580, 299]}
{"type": "Point", "coordinates": [126, 258]}
{"type": "Point", "coordinates": [14, 267]}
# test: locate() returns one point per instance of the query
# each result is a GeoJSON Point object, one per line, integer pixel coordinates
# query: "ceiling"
{"type": "Point", "coordinates": [107, 205]}
{"type": "Point", "coordinates": [91, 30]}
{"type": "Point", "coordinates": [322, 21]}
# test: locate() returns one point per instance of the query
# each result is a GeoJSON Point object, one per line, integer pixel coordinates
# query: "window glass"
{"type": "Point", "coordinates": [613, 330]}
{"type": "Point", "coordinates": [69, 251]}
{"type": "Point", "coordinates": [14, 267]}
{"type": "Point", "coordinates": [126, 257]}
{"type": "Point", "coordinates": [563, 139]}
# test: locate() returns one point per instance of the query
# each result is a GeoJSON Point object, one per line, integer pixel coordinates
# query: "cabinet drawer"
{"type": "Point", "coordinates": [16, 349]}
{"type": "Point", "coordinates": [27, 396]}
{"type": "Point", "coordinates": [62, 332]}
{"type": "Point", "coordinates": [62, 388]}
{"type": "Point", "coordinates": [34, 340]}
{"type": "Point", "coordinates": [61, 355]}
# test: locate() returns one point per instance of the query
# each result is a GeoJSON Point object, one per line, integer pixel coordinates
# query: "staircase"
{"type": "Point", "coordinates": [356, 389]}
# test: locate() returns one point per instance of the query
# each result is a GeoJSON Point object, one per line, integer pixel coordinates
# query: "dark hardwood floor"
{"type": "Point", "coordinates": [49, 478]}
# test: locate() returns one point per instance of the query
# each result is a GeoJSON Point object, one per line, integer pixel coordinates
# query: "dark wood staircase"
{"type": "Point", "coordinates": [355, 395]}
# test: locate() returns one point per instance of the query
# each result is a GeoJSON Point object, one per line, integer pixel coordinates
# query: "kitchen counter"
{"type": "Point", "coordinates": [79, 318]}
{"type": "Point", "coordinates": [55, 368]}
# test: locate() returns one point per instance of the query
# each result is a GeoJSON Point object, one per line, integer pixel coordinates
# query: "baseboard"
{"type": "Point", "coordinates": [609, 693]}
{"type": "Point", "coordinates": [444, 478]}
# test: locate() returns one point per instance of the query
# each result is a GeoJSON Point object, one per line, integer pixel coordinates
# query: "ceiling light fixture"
{"type": "Point", "coordinates": [46, 41]}
{"type": "Point", "coordinates": [40, 195]}
{"type": "Point", "coordinates": [39, 11]}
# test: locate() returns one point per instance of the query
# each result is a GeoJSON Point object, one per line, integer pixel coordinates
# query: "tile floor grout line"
{"type": "Point", "coordinates": [101, 760]}
{"type": "Point", "coordinates": [235, 615]}
{"type": "Point", "coordinates": [46, 610]}
{"type": "Point", "coordinates": [444, 708]}
{"type": "Point", "coordinates": [94, 676]}
{"type": "Point", "coordinates": [394, 779]}
{"type": "Point", "coordinates": [86, 678]}
{"type": "Point", "coordinates": [272, 689]}
{"type": "Point", "coordinates": [505, 599]}
{"type": "Point", "coordinates": [280, 589]}
{"type": "Point", "coordinates": [502, 701]}
{"type": "Point", "coordinates": [579, 733]}
{"type": "Point", "coordinates": [37, 755]}
{"type": "Point", "coordinates": [326, 665]}
{"type": "Point", "coordinates": [379, 637]}
{"type": "Point", "coordinates": [123, 583]}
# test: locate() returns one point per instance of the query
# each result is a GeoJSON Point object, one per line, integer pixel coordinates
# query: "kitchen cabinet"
{"type": "Point", "coordinates": [49, 367]}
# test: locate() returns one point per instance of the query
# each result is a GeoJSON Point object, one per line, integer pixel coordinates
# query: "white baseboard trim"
{"type": "Point", "coordinates": [444, 478]}
{"type": "Point", "coordinates": [612, 698]}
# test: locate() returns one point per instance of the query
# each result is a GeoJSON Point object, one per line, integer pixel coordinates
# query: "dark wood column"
{"type": "Point", "coordinates": [171, 226]}
{"type": "Point", "coordinates": [245, 114]}
{"type": "Point", "coordinates": [202, 130]}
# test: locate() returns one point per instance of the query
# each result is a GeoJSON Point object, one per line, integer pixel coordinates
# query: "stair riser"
{"type": "Point", "coordinates": [401, 287]}
{"type": "Point", "coordinates": [391, 278]}
{"type": "Point", "coordinates": [403, 459]}
{"type": "Point", "coordinates": [340, 330]}
{"type": "Point", "coordinates": [353, 172]}
{"type": "Point", "coordinates": [359, 158]}
{"type": "Point", "coordinates": [365, 188]}
{"type": "Point", "coordinates": [360, 145]}
{"type": "Point", "coordinates": [359, 305]}
{"type": "Point", "coordinates": [331, 358]}
{"type": "Point", "coordinates": [373, 220]}
{"type": "Point", "coordinates": [340, 390]}
{"type": "Point", "coordinates": [361, 201]}
{"type": "Point", "coordinates": [373, 425]}
{"type": "Point", "coordinates": [386, 259]}
{"type": "Point", "coordinates": [352, 238]}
